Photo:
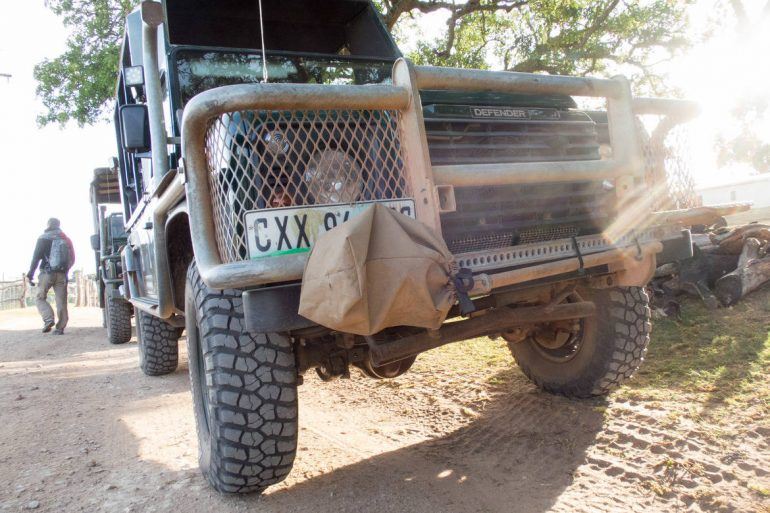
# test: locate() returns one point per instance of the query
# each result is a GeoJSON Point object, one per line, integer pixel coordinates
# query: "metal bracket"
{"type": "Point", "coordinates": [446, 198]}
{"type": "Point", "coordinates": [181, 171]}
{"type": "Point", "coordinates": [152, 13]}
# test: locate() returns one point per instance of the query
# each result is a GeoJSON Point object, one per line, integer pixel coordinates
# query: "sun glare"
{"type": "Point", "coordinates": [720, 74]}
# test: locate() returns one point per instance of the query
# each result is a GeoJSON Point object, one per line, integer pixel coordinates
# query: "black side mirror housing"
{"type": "Point", "coordinates": [96, 243]}
{"type": "Point", "coordinates": [135, 128]}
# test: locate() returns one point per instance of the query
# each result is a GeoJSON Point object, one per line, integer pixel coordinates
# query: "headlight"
{"type": "Point", "coordinates": [133, 76]}
{"type": "Point", "coordinates": [333, 176]}
{"type": "Point", "coordinates": [276, 142]}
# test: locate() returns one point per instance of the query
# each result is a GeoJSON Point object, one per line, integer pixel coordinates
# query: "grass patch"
{"type": "Point", "coordinates": [759, 490]}
{"type": "Point", "coordinates": [480, 357]}
{"type": "Point", "coordinates": [707, 361]}
{"type": "Point", "coordinates": [710, 356]}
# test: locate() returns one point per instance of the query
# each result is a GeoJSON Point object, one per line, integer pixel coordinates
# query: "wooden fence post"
{"type": "Point", "coordinates": [78, 289]}
{"type": "Point", "coordinates": [23, 298]}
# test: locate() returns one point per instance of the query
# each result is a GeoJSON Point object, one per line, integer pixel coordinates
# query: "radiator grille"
{"type": "Point", "coordinates": [496, 217]}
{"type": "Point", "coordinates": [508, 215]}
{"type": "Point", "coordinates": [482, 141]}
{"type": "Point", "coordinates": [266, 159]}
{"type": "Point", "coordinates": [546, 233]}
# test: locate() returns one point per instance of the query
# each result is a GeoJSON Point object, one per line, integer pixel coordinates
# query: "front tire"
{"type": "Point", "coordinates": [158, 345]}
{"type": "Point", "coordinates": [244, 388]}
{"type": "Point", "coordinates": [604, 351]}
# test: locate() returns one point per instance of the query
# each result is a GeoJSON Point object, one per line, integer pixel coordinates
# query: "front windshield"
{"type": "Point", "coordinates": [199, 71]}
{"type": "Point", "coordinates": [117, 230]}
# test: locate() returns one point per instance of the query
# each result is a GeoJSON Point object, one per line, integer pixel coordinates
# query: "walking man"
{"type": "Point", "coordinates": [55, 255]}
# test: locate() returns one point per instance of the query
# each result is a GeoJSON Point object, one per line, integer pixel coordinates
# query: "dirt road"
{"type": "Point", "coordinates": [83, 430]}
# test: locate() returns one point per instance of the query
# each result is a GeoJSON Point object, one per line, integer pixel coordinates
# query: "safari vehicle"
{"type": "Point", "coordinates": [107, 242]}
{"type": "Point", "coordinates": [249, 131]}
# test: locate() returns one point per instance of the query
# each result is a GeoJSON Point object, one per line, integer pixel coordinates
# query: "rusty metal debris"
{"type": "Point", "coordinates": [727, 264]}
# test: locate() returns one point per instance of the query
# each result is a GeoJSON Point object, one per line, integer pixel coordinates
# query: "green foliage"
{"type": "Point", "coordinates": [576, 37]}
{"type": "Point", "coordinates": [554, 36]}
{"type": "Point", "coordinates": [746, 148]}
{"type": "Point", "coordinates": [471, 43]}
{"type": "Point", "coordinates": [749, 145]}
{"type": "Point", "coordinates": [76, 85]}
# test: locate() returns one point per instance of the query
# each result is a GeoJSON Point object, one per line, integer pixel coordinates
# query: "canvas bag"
{"type": "Point", "coordinates": [379, 269]}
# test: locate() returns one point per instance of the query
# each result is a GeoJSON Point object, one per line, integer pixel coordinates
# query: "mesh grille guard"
{"type": "Point", "coordinates": [217, 252]}
{"type": "Point", "coordinates": [271, 159]}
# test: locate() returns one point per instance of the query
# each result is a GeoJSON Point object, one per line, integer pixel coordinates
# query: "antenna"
{"type": "Point", "coordinates": [264, 51]}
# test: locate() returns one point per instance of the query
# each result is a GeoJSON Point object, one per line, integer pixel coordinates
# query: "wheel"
{"type": "Point", "coordinates": [591, 356]}
{"type": "Point", "coordinates": [244, 388]}
{"type": "Point", "coordinates": [158, 345]}
{"type": "Point", "coordinates": [118, 314]}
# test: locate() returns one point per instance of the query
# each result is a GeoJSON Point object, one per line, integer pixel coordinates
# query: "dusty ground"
{"type": "Point", "coordinates": [83, 430]}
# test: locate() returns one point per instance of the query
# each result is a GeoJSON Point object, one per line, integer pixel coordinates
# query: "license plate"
{"type": "Point", "coordinates": [288, 230]}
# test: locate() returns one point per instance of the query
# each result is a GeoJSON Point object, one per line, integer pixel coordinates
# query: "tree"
{"type": "Point", "coordinates": [567, 37]}
{"type": "Point", "coordinates": [749, 145]}
{"type": "Point", "coordinates": [76, 85]}
{"type": "Point", "coordinates": [551, 36]}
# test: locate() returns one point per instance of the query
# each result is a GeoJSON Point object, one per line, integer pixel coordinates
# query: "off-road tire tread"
{"type": "Point", "coordinates": [251, 384]}
{"type": "Point", "coordinates": [158, 345]}
{"type": "Point", "coordinates": [625, 319]}
{"type": "Point", "coordinates": [119, 320]}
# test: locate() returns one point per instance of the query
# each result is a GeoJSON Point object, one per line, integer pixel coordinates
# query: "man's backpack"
{"type": "Point", "coordinates": [59, 257]}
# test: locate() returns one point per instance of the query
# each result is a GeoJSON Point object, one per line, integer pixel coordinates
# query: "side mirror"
{"type": "Point", "coordinates": [135, 127]}
{"type": "Point", "coordinates": [96, 243]}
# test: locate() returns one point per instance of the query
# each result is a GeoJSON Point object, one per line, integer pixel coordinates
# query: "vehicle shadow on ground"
{"type": "Point", "coordinates": [520, 454]}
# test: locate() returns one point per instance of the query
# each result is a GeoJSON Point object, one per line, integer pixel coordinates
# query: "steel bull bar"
{"type": "Point", "coordinates": [403, 95]}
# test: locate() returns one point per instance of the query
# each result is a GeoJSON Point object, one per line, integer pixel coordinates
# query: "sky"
{"type": "Point", "coordinates": [46, 172]}
{"type": "Point", "coordinates": [43, 172]}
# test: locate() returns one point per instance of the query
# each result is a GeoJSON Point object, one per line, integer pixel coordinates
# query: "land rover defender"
{"type": "Point", "coordinates": [108, 241]}
{"type": "Point", "coordinates": [249, 130]}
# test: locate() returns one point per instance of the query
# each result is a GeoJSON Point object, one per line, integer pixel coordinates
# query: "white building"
{"type": "Point", "coordinates": [755, 189]}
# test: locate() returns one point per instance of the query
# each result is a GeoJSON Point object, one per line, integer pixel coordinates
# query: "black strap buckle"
{"type": "Point", "coordinates": [582, 269]}
{"type": "Point", "coordinates": [463, 282]}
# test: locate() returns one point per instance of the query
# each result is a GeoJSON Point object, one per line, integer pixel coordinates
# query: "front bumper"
{"type": "Point", "coordinates": [425, 181]}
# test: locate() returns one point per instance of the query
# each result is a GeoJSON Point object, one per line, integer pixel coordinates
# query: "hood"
{"type": "Point", "coordinates": [52, 234]}
{"type": "Point", "coordinates": [485, 98]}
